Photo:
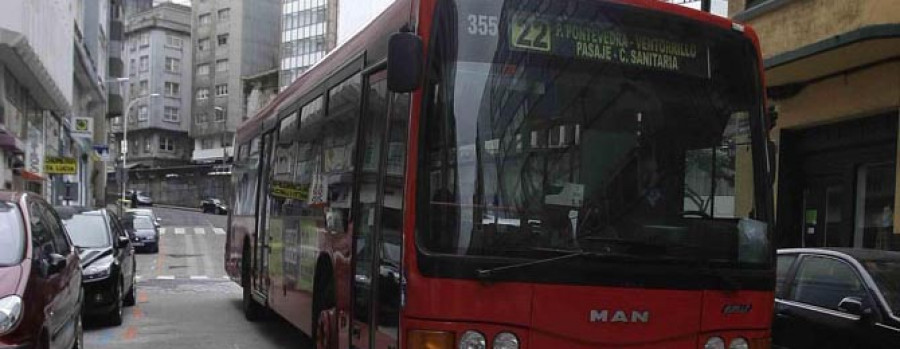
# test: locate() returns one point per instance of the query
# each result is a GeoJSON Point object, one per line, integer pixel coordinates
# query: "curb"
{"type": "Point", "coordinates": [177, 207]}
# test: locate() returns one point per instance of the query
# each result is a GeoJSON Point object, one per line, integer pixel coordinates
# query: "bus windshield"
{"type": "Point", "coordinates": [588, 126]}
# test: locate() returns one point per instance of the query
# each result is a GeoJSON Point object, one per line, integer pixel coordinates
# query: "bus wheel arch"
{"type": "Point", "coordinates": [324, 313]}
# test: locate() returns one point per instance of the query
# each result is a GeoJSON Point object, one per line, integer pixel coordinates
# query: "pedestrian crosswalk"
{"type": "Point", "coordinates": [191, 231]}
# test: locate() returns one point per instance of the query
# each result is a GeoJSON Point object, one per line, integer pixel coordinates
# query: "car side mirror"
{"type": "Point", "coordinates": [122, 242]}
{"type": "Point", "coordinates": [851, 305]}
{"type": "Point", "coordinates": [405, 62]}
{"type": "Point", "coordinates": [55, 263]}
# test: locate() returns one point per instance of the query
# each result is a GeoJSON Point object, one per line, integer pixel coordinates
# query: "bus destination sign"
{"type": "Point", "coordinates": [603, 42]}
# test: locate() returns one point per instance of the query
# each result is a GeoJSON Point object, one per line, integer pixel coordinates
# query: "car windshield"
{"type": "Point", "coordinates": [12, 234]}
{"type": "Point", "coordinates": [142, 222]}
{"type": "Point", "coordinates": [604, 130]}
{"type": "Point", "coordinates": [886, 273]}
{"type": "Point", "coordinates": [88, 230]}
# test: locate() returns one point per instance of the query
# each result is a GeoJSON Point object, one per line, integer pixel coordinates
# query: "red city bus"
{"type": "Point", "coordinates": [515, 174]}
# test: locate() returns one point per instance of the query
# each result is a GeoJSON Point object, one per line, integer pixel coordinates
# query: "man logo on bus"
{"type": "Point", "coordinates": [620, 316]}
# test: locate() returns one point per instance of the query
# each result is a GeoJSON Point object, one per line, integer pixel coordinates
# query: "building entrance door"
{"type": "Point", "coordinates": [825, 212]}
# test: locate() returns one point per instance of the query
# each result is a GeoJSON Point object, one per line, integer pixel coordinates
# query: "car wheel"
{"type": "Point", "coordinates": [116, 314]}
{"type": "Point", "coordinates": [155, 248]}
{"type": "Point", "coordinates": [130, 299]}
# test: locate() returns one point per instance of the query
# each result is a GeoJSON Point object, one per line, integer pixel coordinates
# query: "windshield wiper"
{"type": "Point", "coordinates": [488, 274]}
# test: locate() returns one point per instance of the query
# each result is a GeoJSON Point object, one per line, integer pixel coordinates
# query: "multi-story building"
{"type": "Point", "coordinates": [231, 39]}
{"type": "Point", "coordinates": [158, 62]}
{"type": "Point", "coordinates": [833, 75]}
{"type": "Point", "coordinates": [53, 71]}
{"type": "Point", "coordinates": [35, 90]}
{"type": "Point", "coordinates": [308, 33]}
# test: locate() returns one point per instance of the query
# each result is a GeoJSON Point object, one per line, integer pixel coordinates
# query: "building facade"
{"type": "Point", "coordinates": [833, 75]}
{"type": "Point", "coordinates": [231, 39]}
{"type": "Point", "coordinates": [309, 30]}
{"type": "Point", "coordinates": [158, 60]}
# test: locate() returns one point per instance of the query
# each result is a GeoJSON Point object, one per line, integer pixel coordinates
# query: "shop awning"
{"type": "Point", "coordinates": [31, 176]}
{"type": "Point", "coordinates": [856, 49]}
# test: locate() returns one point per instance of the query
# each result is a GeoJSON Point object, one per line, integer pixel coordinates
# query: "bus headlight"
{"type": "Point", "coordinates": [506, 340]}
{"type": "Point", "coordinates": [739, 343]}
{"type": "Point", "coordinates": [714, 343]}
{"type": "Point", "coordinates": [472, 340]}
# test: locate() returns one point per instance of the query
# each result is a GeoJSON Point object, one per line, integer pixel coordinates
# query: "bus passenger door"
{"type": "Point", "coordinates": [369, 145]}
{"type": "Point", "coordinates": [261, 262]}
{"type": "Point", "coordinates": [378, 237]}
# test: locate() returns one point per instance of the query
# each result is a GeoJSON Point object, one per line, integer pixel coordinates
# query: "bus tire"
{"type": "Point", "coordinates": [324, 314]}
{"type": "Point", "coordinates": [253, 311]}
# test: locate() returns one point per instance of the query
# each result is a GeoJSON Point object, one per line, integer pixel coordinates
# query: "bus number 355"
{"type": "Point", "coordinates": [483, 25]}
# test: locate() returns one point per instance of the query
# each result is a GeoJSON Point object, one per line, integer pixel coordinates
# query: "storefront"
{"type": "Point", "coordinates": [837, 184]}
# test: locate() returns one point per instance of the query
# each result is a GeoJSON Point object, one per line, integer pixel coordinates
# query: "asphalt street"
{"type": "Point", "coordinates": [184, 298]}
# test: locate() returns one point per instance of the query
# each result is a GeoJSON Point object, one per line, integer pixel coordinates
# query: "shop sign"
{"type": "Point", "coordinates": [61, 165]}
{"type": "Point", "coordinates": [84, 127]}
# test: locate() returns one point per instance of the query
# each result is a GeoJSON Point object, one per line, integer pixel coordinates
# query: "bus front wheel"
{"type": "Point", "coordinates": [324, 313]}
{"type": "Point", "coordinates": [253, 311]}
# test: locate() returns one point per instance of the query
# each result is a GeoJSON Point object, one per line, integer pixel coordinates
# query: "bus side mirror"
{"type": "Point", "coordinates": [405, 62]}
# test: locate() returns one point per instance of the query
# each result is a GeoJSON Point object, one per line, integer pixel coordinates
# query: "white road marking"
{"type": "Point", "coordinates": [199, 277]}
{"type": "Point", "coordinates": [219, 231]}
{"type": "Point", "coordinates": [200, 231]}
{"type": "Point", "coordinates": [179, 231]}
{"type": "Point", "coordinates": [165, 277]}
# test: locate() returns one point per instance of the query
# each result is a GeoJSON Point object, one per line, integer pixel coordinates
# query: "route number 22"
{"type": "Point", "coordinates": [531, 34]}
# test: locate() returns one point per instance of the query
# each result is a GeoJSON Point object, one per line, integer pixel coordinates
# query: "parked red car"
{"type": "Point", "coordinates": [40, 277]}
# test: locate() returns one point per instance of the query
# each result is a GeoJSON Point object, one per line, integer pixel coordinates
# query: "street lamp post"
{"type": "Point", "coordinates": [124, 146]}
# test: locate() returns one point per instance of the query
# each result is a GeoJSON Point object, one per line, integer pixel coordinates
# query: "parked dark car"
{"type": "Point", "coordinates": [144, 234]}
{"type": "Point", "coordinates": [107, 257]}
{"type": "Point", "coordinates": [40, 277]}
{"type": "Point", "coordinates": [837, 298]}
{"type": "Point", "coordinates": [214, 206]}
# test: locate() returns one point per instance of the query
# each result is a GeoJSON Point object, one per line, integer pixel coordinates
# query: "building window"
{"type": "Point", "coordinates": [200, 118]}
{"type": "Point", "coordinates": [220, 114]}
{"type": "Point", "coordinates": [221, 90]}
{"type": "Point", "coordinates": [133, 42]}
{"type": "Point", "coordinates": [224, 14]}
{"type": "Point", "coordinates": [145, 63]}
{"type": "Point", "coordinates": [202, 93]}
{"type": "Point", "coordinates": [132, 67]}
{"type": "Point", "coordinates": [143, 113]}
{"type": "Point", "coordinates": [147, 145]}
{"type": "Point", "coordinates": [205, 19]}
{"type": "Point", "coordinates": [203, 44]}
{"type": "Point", "coordinates": [144, 88]}
{"type": "Point", "coordinates": [145, 39]}
{"type": "Point", "coordinates": [171, 114]}
{"type": "Point", "coordinates": [172, 89]}
{"type": "Point", "coordinates": [166, 144]}
{"type": "Point", "coordinates": [222, 65]}
{"type": "Point", "coordinates": [206, 144]}
{"type": "Point", "coordinates": [223, 40]}
{"type": "Point", "coordinates": [203, 69]}
{"type": "Point", "coordinates": [174, 41]}
{"type": "Point", "coordinates": [173, 65]}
